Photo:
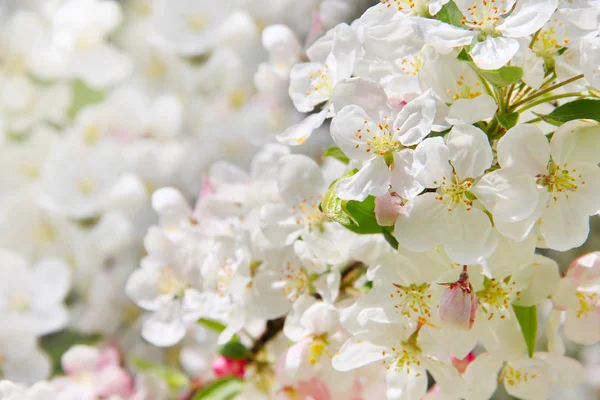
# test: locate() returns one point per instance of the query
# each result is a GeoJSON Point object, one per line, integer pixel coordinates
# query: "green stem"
{"type": "Point", "coordinates": [547, 90]}
{"type": "Point", "coordinates": [533, 121]}
{"type": "Point", "coordinates": [550, 98]}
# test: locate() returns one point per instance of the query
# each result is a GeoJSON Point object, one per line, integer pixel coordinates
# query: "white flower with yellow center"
{"type": "Point", "coordinates": [34, 296]}
{"type": "Point", "coordinates": [301, 187]}
{"type": "Point", "coordinates": [578, 293]}
{"type": "Point", "coordinates": [406, 353]}
{"type": "Point", "coordinates": [457, 85]}
{"type": "Point", "coordinates": [554, 184]}
{"type": "Point", "coordinates": [312, 84]}
{"type": "Point", "coordinates": [368, 129]}
{"type": "Point", "coordinates": [499, 23]}
{"type": "Point", "coordinates": [449, 217]}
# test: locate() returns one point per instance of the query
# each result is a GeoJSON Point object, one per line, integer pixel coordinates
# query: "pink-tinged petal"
{"type": "Point", "coordinates": [387, 209]}
{"type": "Point", "coordinates": [458, 304]}
{"type": "Point", "coordinates": [113, 381]}
{"type": "Point", "coordinates": [80, 358]}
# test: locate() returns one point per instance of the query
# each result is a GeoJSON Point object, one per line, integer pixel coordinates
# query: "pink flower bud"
{"type": "Point", "coordinates": [223, 366]}
{"type": "Point", "coordinates": [458, 303]}
{"type": "Point", "coordinates": [387, 209]}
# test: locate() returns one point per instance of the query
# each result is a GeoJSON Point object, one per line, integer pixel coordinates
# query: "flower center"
{"type": "Point", "coordinates": [551, 39]}
{"type": "Point", "coordinates": [85, 186]}
{"type": "Point", "coordinates": [514, 377]}
{"type": "Point", "coordinates": [588, 302]}
{"type": "Point", "coordinates": [169, 282]}
{"type": "Point", "coordinates": [294, 281]}
{"type": "Point", "coordinates": [560, 179]}
{"type": "Point", "coordinates": [19, 302]}
{"type": "Point", "coordinates": [320, 82]}
{"type": "Point", "coordinates": [412, 7]}
{"type": "Point", "coordinates": [466, 91]}
{"type": "Point", "coordinates": [316, 348]}
{"type": "Point", "coordinates": [496, 297]}
{"type": "Point", "coordinates": [412, 300]}
{"type": "Point", "coordinates": [308, 213]}
{"type": "Point", "coordinates": [483, 15]}
{"type": "Point", "coordinates": [454, 192]}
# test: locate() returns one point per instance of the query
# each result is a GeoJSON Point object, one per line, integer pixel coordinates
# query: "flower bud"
{"type": "Point", "coordinates": [458, 304]}
{"type": "Point", "coordinates": [223, 366]}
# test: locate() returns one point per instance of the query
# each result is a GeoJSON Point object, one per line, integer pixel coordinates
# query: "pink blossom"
{"type": "Point", "coordinates": [223, 366]}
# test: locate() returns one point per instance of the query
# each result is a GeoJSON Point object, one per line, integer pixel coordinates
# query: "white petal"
{"type": "Point", "coordinates": [392, 41]}
{"type": "Point", "coordinates": [586, 199]}
{"type": "Point", "coordinates": [469, 111]}
{"type": "Point", "coordinates": [470, 151]}
{"type": "Point", "coordinates": [562, 226]}
{"type": "Point", "coordinates": [542, 282]}
{"type": "Point", "coordinates": [583, 329]}
{"type": "Point", "coordinates": [170, 204]}
{"type": "Point", "coordinates": [402, 175]}
{"type": "Point", "coordinates": [431, 162]}
{"type": "Point", "coordinates": [101, 66]}
{"type": "Point", "coordinates": [365, 93]}
{"type": "Point", "coordinates": [165, 328]}
{"type": "Point", "coordinates": [358, 351]}
{"type": "Point", "coordinates": [351, 128]}
{"type": "Point", "coordinates": [527, 17]}
{"type": "Point", "coordinates": [414, 121]}
{"type": "Point", "coordinates": [508, 194]}
{"type": "Point", "coordinates": [424, 223]}
{"type": "Point", "coordinates": [299, 179]}
{"type": "Point", "coordinates": [494, 52]}
{"type": "Point", "coordinates": [482, 375]}
{"type": "Point", "coordinates": [142, 288]}
{"type": "Point", "coordinates": [80, 358]}
{"type": "Point", "coordinates": [524, 147]}
{"type": "Point", "coordinates": [565, 370]}
{"type": "Point", "coordinates": [470, 236]}
{"type": "Point", "coordinates": [442, 36]}
{"type": "Point", "coordinates": [372, 179]}
{"type": "Point", "coordinates": [278, 224]}
{"type": "Point", "coordinates": [54, 280]}
{"type": "Point", "coordinates": [298, 133]}
{"type": "Point", "coordinates": [576, 141]}
{"type": "Point", "coordinates": [28, 370]}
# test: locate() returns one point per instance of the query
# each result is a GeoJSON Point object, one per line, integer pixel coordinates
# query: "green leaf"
{"type": "Point", "coordinates": [450, 14]}
{"type": "Point", "coordinates": [175, 379]}
{"type": "Point", "coordinates": [578, 109]}
{"type": "Point", "coordinates": [333, 206]}
{"type": "Point", "coordinates": [214, 325]}
{"type": "Point", "coordinates": [389, 237]}
{"type": "Point", "coordinates": [57, 344]}
{"type": "Point", "coordinates": [363, 215]}
{"type": "Point", "coordinates": [223, 389]}
{"type": "Point", "coordinates": [358, 216]}
{"type": "Point", "coordinates": [336, 153]}
{"type": "Point", "coordinates": [464, 56]}
{"type": "Point", "coordinates": [83, 96]}
{"type": "Point", "coordinates": [508, 120]}
{"type": "Point", "coordinates": [502, 77]}
{"type": "Point", "coordinates": [527, 317]}
{"type": "Point", "coordinates": [234, 350]}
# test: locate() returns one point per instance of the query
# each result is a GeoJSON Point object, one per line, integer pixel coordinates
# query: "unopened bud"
{"type": "Point", "coordinates": [223, 366]}
{"type": "Point", "coordinates": [458, 303]}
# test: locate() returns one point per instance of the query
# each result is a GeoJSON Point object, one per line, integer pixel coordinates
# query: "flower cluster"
{"type": "Point", "coordinates": [314, 200]}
